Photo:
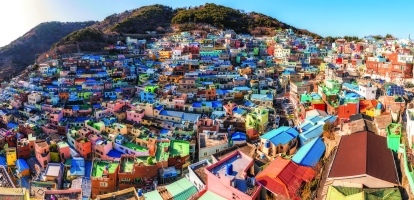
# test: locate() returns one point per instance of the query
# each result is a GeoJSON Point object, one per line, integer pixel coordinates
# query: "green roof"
{"type": "Point", "coordinates": [179, 148]}
{"type": "Point", "coordinates": [100, 166]}
{"type": "Point", "coordinates": [134, 147]}
{"type": "Point", "coordinates": [345, 193]}
{"type": "Point", "coordinates": [161, 154]}
{"type": "Point", "coordinates": [210, 196]}
{"type": "Point", "coordinates": [153, 195]}
{"type": "Point", "coordinates": [128, 165]}
{"type": "Point", "coordinates": [182, 189]}
{"type": "Point", "coordinates": [62, 144]}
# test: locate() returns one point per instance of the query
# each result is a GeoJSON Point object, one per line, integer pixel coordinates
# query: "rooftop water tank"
{"type": "Point", "coordinates": [229, 169]}
{"type": "Point", "coordinates": [379, 106]}
{"type": "Point", "coordinates": [267, 144]}
{"type": "Point", "coordinates": [140, 192]}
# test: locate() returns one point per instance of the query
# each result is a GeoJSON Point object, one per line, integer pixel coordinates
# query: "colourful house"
{"type": "Point", "coordinates": [347, 193]}
{"type": "Point", "coordinates": [42, 153]}
{"type": "Point", "coordinates": [284, 177]}
{"type": "Point", "coordinates": [281, 140]}
{"type": "Point", "coordinates": [310, 154]}
{"type": "Point", "coordinates": [394, 131]}
{"type": "Point", "coordinates": [22, 167]}
{"type": "Point", "coordinates": [228, 177]}
{"type": "Point", "coordinates": [11, 156]}
{"type": "Point", "coordinates": [258, 119]}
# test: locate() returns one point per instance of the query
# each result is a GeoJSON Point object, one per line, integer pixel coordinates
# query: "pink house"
{"type": "Point", "coordinates": [207, 124]}
{"type": "Point", "coordinates": [42, 153]}
{"type": "Point", "coordinates": [56, 116]}
{"type": "Point", "coordinates": [49, 128]}
{"type": "Point", "coordinates": [115, 106]}
{"type": "Point", "coordinates": [229, 107]}
{"type": "Point", "coordinates": [135, 116]}
{"type": "Point", "coordinates": [64, 150]}
{"type": "Point", "coordinates": [229, 177]}
{"type": "Point", "coordinates": [240, 81]}
{"type": "Point", "coordinates": [94, 138]}
{"type": "Point", "coordinates": [103, 150]}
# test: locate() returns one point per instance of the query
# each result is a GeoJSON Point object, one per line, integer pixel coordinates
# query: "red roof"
{"type": "Point", "coordinates": [284, 177]}
{"type": "Point", "coordinates": [366, 104]}
{"type": "Point", "coordinates": [364, 153]}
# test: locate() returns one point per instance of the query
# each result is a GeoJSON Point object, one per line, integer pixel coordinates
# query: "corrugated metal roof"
{"type": "Point", "coordinates": [313, 132]}
{"type": "Point", "coordinates": [211, 196]}
{"type": "Point", "coordinates": [181, 189]}
{"type": "Point", "coordinates": [282, 135]}
{"type": "Point", "coordinates": [311, 153]}
{"type": "Point", "coordinates": [153, 195]}
{"type": "Point", "coordinates": [345, 193]}
{"type": "Point", "coordinates": [364, 153]}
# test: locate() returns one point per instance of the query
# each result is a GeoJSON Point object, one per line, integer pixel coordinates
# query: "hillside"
{"type": "Point", "coordinates": [20, 53]}
{"type": "Point", "coordinates": [161, 18]}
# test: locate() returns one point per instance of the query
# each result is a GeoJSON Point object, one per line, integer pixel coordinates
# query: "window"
{"type": "Point", "coordinates": [217, 150]}
{"type": "Point", "coordinates": [205, 153]}
{"type": "Point", "coordinates": [103, 184]}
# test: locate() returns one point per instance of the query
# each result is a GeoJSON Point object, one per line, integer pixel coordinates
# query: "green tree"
{"type": "Point", "coordinates": [389, 36]}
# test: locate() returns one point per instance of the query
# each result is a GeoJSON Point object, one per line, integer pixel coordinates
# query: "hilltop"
{"type": "Point", "coordinates": [55, 38]}
{"type": "Point", "coordinates": [165, 20]}
{"type": "Point", "coordinates": [20, 53]}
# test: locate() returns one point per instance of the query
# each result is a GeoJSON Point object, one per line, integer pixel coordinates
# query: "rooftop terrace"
{"type": "Point", "coordinates": [134, 147]}
{"type": "Point", "coordinates": [100, 168]}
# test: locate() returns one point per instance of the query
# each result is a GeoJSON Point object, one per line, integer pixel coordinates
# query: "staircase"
{"type": "Point", "coordinates": [325, 189]}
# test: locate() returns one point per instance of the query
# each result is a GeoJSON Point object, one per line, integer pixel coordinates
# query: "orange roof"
{"type": "Point", "coordinates": [367, 104]}
{"type": "Point", "coordinates": [284, 177]}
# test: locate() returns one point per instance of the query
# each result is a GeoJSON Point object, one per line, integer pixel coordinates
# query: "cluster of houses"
{"type": "Point", "coordinates": [223, 116]}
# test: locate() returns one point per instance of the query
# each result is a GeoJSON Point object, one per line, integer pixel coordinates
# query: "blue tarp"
{"type": "Point", "coordinates": [238, 136]}
{"type": "Point", "coordinates": [3, 161]}
{"type": "Point", "coordinates": [114, 154]}
{"type": "Point", "coordinates": [12, 125]}
{"type": "Point", "coordinates": [88, 167]}
{"type": "Point", "coordinates": [78, 167]}
{"type": "Point", "coordinates": [309, 154]}
{"type": "Point", "coordinates": [21, 164]}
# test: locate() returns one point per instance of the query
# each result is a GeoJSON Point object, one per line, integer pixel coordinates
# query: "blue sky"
{"type": "Point", "coordinates": [324, 17]}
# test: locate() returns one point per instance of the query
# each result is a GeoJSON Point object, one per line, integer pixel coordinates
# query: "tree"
{"type": "Point", "coordinates": [328, 131]}
{"type": "Point", "coordinates": [389, 36]}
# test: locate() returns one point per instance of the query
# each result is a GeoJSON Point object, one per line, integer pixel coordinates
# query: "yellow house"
{"type": "Point", "coordinates": [11, 156]}
{"type": "Point", "coordinates": [165, 54]}
{"type": "Point", "coordinates": [14, 193]}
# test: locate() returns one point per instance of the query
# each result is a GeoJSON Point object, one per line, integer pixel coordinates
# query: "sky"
{"type": "Point", "coordinates": [324, 17]}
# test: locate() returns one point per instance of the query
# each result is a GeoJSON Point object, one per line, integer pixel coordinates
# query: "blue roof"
{"type": "Point", "coordinates": [219, 92]}
{"type": "Point", "coordinates": [313, 119]}
{"type": "Point", "coordinates": [310, 153]}
{"type": "Point", "coordinates": [3, 161]}
{"type": "Point", "coordinates": [217, 104]}
{"type": "Point", "coordinates": [171, 113]}
{"type": "Point", "coordinates": [238, 136]}
{"type": "Point", "coordinates": [75, 107]}
{"type": "Point", "coordinates": [249, 104]}
{"type": "Point", "coordinates": [281, 135]}
{"type": "Point", "coordinates": [164, 131]}
{"type": "Point", "coordinates": [12, 125]}
{"type": "Point", "coordinates": [305, 126]}
{"type": "Point", "coordinates": [95, 106]}
{"type": "Point", "coordinates": [78, 167]}
{"type": "Point", "coordinates": [88, 167]}
{"type": "Point", "coordinates": [313, 132]}
{"type": "Point", "coordinates": [190, 117]}
{"type": "Point", "coordinates": [329, 118]}
{"type": "Point", "coordinates": [21, 164]}
{"type": "Point", "coordinates": [197, 105]}
{"type": "Point", "coordinates": [316, 96]}
{"type": "Point", "coordinates": [351, 86]}
{"type": "Point", "coordinates": [207, 83]}
{"type": "Point", "coordinates": [160, 107]}
{"type": "Point", "coordinates": [114, 154]}
{"type": "Point", "coordinates": [239, 110]}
